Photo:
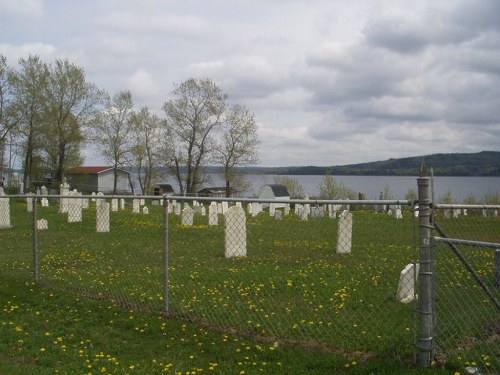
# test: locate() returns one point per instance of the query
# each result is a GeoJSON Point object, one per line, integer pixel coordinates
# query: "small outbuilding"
{"type": "Point", "coordinates": [274, 191]}
{"type": "Point", "coordinates": [163, 189]}
{"type": "Point", "coordinates": [98, 179]}
{"type": "Point", "coordinates": [213, 192]}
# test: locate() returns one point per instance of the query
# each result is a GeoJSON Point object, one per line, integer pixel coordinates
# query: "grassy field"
{"type": "Point", "coordinates": [293, 301]}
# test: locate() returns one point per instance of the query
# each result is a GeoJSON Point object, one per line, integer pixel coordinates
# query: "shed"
{"type": "Point", "coordinates": [98, 179]}
{"type": "Point", "coordinates": [213, 192]}
{"type": "Point", "coordinates": [163, 189]}
{"type": "Point", "coordinates": [274, 191]}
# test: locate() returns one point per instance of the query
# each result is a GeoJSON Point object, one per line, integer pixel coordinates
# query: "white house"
{"type": "Point", "coordinates": [274, 191]}
{"type": "Point", "coordinates": [96, 179]}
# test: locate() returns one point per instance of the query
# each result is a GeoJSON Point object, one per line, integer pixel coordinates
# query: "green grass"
{"type": "Point", "coordinates": [292, 288]}
{"type": "Point", "coordinates": [47, 332]}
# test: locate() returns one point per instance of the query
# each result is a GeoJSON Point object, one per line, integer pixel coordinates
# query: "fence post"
{"type": "Point", "coordinates": [36, 267]}
{"type": "Point", "coordinates": [425, 307]}
{"type": "Point", "coordinates": [165, 255]}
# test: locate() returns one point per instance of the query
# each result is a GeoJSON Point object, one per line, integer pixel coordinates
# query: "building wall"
{"type": "Point", "coordinates": [106, 180]}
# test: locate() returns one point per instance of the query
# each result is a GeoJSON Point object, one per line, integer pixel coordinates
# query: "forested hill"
{"type": "Point", "coordinates": [485, 163]}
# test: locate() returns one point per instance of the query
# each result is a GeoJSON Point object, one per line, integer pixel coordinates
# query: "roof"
{"type": "Point", "coordinates": [221, 189]}
{"type": "Point", "coordinates": [92, 170]}
{"type": "Point", "coordinates": [279, 190]}
{"type": "Point", "coordinates": [166, 187]}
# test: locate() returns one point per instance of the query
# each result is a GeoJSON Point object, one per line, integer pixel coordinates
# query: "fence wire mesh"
{"type": "Point", "coordinates": [301, 272]}
{"type": "Point", "coordinates": [467, 290]}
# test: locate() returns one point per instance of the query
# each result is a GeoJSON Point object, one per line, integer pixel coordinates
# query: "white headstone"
{"type": "Point", "coordinates": [42, 224]}
{"type": "Point", "coordinates": [4, 212]}
{"type": "Point", "coordinates": [249, 208]}
{"type": "Point", "coordinates": [187, 216]}
{"type": "Point", "coordinates": [142, 202]}
{"type": "Point", "coordinates": [272, 209]}
{"type": "Point", "coordinates": [278, 215]}
{"type": "Point", "coordinates": [407, 282]}
{"type": "Point", "coordinates": [99, 201]}
{"type": "Point", "coordinates": [45, 202]}
{"type": "Point", "coordinates": [102, 217]}
{"type": "Point", "coordinates": [74, 208]}
{"type": "Point", "coordinates": [29, 203]}
{"type": "Point", "coordinates": [136, 206]}
{"type": "Point", "coordinates": [145, 210]}
{"type": "Point", "coordinates": [344, 239]}
{"type": "Point", "coordinates": [213, 217]}
{"type": "Point", "coordinates": [43, 190]}
{"type": "Point", "coordinates": [114, 205]}
{"type": "Point", "coordinates": [287, 208]}
{"type": "Point", "coordinates": [256, 209]}
{"type": "Point", "coordinates": [399, 214]}
{"type": "Point", "coordinates": [63, 202]}
{"type": "Point", "coordinates": [122, 203]}
{"type": "Point", "coordinates": [225, 207]}
{"type": "Point", "coordinates": [235, 233]}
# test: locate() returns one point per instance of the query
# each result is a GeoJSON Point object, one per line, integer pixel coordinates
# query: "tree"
{"type": "Point", "coordinates": [192, 120]}
{"type": "Point", "coordinates": [29, 87]}
{"type": "Point", "coordinates": [295, 189]}
{"type": "Point", "coordinates": [112, 129]}
{"type": "Point", "coordinates": [71, 104]}
{"type": "Point", "coordinates": [238, 146]}
{"type": "Point", "coordinates": [330, 188]}
{"type": "Point", "coordinates": [146, 150]}
{"type": "Point", "coordinates": [7, 122]}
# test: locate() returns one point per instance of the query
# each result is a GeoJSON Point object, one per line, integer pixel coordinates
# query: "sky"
{"type": "Point", "coordinates": [330, 82]}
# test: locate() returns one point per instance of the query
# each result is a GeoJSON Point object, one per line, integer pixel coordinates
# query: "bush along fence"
{"type": "Point", "coordinates": [361, 278]}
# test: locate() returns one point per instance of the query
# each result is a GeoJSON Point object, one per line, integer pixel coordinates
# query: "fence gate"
{"type": "Point", "coordinates": [466, 290]}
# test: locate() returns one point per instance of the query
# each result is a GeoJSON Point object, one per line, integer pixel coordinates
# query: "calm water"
{"type": "Point", "coordinates": [459, 187]}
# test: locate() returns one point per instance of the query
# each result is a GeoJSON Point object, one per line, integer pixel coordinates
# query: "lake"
{"type": "Point", "coordinates": [460, 187]}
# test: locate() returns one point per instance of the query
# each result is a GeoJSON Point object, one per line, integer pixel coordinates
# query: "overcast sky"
{"type": "Point", "coordinates": [330, 82]}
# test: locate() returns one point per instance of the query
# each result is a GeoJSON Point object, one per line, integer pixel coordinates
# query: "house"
{"type": "Point", "coordinates": [163, 189]}
{"type": "Point", "coordinates": [213, 192]}
{"type": "Point", "coordinates": [274, 191]}
{"type": "Point", "coordinates": [98, 179]}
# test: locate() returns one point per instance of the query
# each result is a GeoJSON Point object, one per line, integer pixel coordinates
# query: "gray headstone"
{"type": "Point", "coordinates": [102, 217]}
{"type": "Point", "coordinates": [407, 281]}
{"type": "Point", "coordinates": [213, 216]}
{"type": "Point", "coordinates": [136, 206]}
{"type": "Point", "coordinates": [187, 216]}
{"type": "Point", "coordinates": [4, 212]}
{"type": "Point", "coordinates": [344, 239]}
{"type": "Point", "coordinates": [235, 233]}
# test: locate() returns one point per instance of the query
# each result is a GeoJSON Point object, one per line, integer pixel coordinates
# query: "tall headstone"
{"type": "Point", "coordinates": [145, 210]}
{"type": "Point", "coordinates": [74, 208]}
{"type": "Point", "coordinates": [235, 233]}
{"type": "Point", "coordinates": [102, 217]}
{"type": "Point", "coordinates": [287, 208]}
{"type": "Point", "coordinates": [407, 282]}
{"type": "Point", "coordinates": [272, 209]}
{"type": "Point", "coordinates": [344, 239]}
{"type": "Point", "coordinates": [122, 203]}
{"type": "Point", "coordinates": [45, 202]}
{"type": "Point", "coordinates": [213, 217]}
{"type": "Point", "coordinates": [136, 206]}
{"type": "Point", "coordinates": [29, 202]}
{"type": "Point", "coordinates": [398, 213]}
{"type": "Point", "coordinates": [4, 211]}
{"type": "Point", "coordinates": [114, 205]}
{"type": "Point", "coordinates": [43, 190]}
{"type": "Point", "coordinates": [63, 202]}
{"type": "Point", "coordinates": [187, 216]}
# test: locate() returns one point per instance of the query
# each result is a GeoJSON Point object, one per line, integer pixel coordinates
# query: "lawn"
{"type": "Point", "coordinates": [292, 294]}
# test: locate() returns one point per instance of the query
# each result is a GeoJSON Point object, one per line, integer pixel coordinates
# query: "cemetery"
{"type": "Point", "coordinates": [330, 274]}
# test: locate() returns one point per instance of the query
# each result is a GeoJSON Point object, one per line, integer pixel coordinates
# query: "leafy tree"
{"type": "Point", "coordinates": [192, 121]}
{"type": "Point", "coordinates": [7, 122]}
{"type": "Point", "coordinates": [71, 104]}
{"type": "Point", "coordinates": [146, 150]}
{"type": "Point", "coordinates": [295, 189]}
{"type": "Point", "coordinates": [330, 188]}
{"type": "Point", "coordinates": [29, 86]}
{"type": "Point", "coordinates": [112, 131]}
{"type": "Point", "coordinates": [238, 146]}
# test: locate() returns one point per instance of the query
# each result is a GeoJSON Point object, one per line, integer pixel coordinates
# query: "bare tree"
{"type": "Point", "coordinates": [146, 152]}
{"type": "Point", "coordinates": [192, 120]}
{"type": "Point", "coordinates": [295, 189]}
{"type": "Point", "coordinates": [330, 188]}
{"type": "Point", "coordinates": [112, 130]}
{"type": "Point", "coordinates": [239, 143]}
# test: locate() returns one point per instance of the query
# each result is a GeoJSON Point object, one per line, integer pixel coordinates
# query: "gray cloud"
{"type": "Point", "coordinates": [329, 81]}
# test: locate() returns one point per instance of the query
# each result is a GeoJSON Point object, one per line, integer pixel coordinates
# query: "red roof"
{"type": "Point", "coordinates": [90, 170]}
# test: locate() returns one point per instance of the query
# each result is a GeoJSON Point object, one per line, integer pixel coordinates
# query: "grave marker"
{"type": "Point", "coordinates": [235, 233]}
{"type": "Point", "coordinates": [344, 240]}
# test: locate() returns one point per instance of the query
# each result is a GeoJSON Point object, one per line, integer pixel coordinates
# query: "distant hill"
{"type": "Point", "coordinates": [484, 163]}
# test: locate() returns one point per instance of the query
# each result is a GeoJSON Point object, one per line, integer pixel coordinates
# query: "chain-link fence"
{"type": "Point", "coordinates": [467, 286]}
{"type": "Point", "coordinates": [327, 274]}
